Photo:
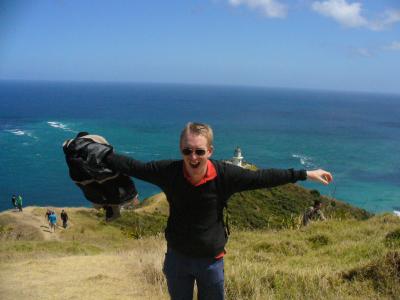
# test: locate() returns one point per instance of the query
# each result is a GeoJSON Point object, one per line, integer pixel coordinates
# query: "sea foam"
{"type": "Point", "coordinates": [305, 160]}
{"type": "Point", "coordinates": [16, 131]}
{"type": "Point", "coordinates": [56, 124]}
{"type": "Point", "coordinates": [20, 132]}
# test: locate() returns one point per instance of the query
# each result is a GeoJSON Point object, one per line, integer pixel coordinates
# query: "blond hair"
{"type": "Point", "coordinates": [198, 129]}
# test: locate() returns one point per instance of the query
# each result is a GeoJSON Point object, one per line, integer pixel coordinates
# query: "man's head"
{"type": "Point", "coordinates": [196, 147]}
{"type": "Point", "coordinates": [198, 129]}
{"type": "Point", "coordinates": [317, 204]}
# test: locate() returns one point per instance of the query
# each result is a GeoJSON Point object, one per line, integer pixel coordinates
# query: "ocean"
{"type": "Point", "coordinates": [353, 135]}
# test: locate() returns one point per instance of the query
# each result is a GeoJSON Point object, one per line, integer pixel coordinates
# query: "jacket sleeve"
{"type": "Point", "coordinates": [155, 172]}
{"type": "Point", "coordinates": [238, 179]}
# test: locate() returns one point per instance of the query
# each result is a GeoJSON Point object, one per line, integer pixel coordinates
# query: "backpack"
{"type": "Point", "coordinates": [98, 183]}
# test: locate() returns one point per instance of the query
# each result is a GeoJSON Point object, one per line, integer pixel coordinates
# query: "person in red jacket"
{"type": "Point", "coordinates": [197, 189]}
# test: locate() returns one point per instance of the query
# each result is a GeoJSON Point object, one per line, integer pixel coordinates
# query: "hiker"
{"type": "Point", "coordinates": [197, 189]}
{"type": "Point", "coordinates": [53, 221]}
{"type": "Point", "coordinates": [19, 202]}
{"type": "Point", "coordinates": [313, 213]}
{"type": "Point", "coordinates": [64, 218]}
{"type": "Point", "coordinates": [14, 201]}
{"type": "Point", "coordinates": [47, 216]}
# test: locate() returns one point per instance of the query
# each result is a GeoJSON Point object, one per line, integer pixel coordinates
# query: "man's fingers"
{"type": "Point", "coordinates": [321, 176]}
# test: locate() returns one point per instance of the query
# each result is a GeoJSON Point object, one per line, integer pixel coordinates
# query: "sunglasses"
{"type": "Point", "coordinates": [199, 152]}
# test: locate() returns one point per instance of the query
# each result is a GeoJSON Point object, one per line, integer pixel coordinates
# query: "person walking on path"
{"type": "Point", "coordinates": [197, 190]}
{"type": "Point", "coordinates": [14, 201]}
{"type": "Point", "coordinates": [313, 213]}
{"type": "Point", "coordinates": [47, 215]}
{"type": "Point", "coordinates": [19, 202]}
{"type": "Point", "coordinates": [53, 221]}
{"type": "Point", "coordinates": [64, 218]}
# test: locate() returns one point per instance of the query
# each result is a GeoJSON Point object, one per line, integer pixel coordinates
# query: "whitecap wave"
{"type": "Point", "coordinates": [397, 212]}
{"type": "Point", "coordinates": [20, 132]}
{"type": "Point", "coordinates": [306, 161]}
{"type": "Point", "coordinates": [16, 131]}
{"type": "Point", "coordinates": [128, 152]}
{"type": "Point", "coordinates": [56, 124]}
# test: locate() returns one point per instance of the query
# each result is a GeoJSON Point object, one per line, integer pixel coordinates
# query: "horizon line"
{"type": "Point", "coordinates": [198, 84]}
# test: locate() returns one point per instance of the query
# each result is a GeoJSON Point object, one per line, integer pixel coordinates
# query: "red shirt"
{"type": "Point", "coordinates": [211, 173]}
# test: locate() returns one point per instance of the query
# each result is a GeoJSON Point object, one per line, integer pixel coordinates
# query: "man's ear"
{"type": "Point", "coordinates": [211, 149]}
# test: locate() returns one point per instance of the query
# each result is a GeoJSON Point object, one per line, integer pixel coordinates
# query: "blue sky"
{"type": "Point", "coordinates": [325, 44]}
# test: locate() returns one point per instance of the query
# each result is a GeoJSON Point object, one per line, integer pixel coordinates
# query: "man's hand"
{"type": "Point", "coordinates": [320, 176]}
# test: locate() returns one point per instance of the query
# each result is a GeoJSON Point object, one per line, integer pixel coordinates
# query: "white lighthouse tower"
{"type": "Point", "coordinates": [237, 159]}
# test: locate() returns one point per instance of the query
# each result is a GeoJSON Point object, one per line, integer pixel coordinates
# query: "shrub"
{"type": "Point", "coordinates": [315, 193]}
{"type": "Point", "coordinates": [392, 239]}
{"type": "Point", "coordinates": [137, 225]}
{"type": "Point", "coordinates": [384, 274]}
{"type": "Point", "coordinates": [319, 240]}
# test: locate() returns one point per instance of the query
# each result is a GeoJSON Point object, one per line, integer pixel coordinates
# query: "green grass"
{"type": "Point", "coordinates": [352, 255]}
{"type": "Point", "coordinates": [347, 259]}
{"type": "Point", "coordinates": [283, 207]}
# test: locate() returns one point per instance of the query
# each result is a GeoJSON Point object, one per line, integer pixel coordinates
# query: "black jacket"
{"type": "Point", "coordinates": [195, 225]}
{"type": "Point", "coordinates": [99, 184]}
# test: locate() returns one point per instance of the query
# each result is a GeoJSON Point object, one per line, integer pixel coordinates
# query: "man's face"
{"type": "Point", "coordinates": [195, 163]}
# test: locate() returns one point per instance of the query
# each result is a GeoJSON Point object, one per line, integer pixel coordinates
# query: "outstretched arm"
{"type": "Point", "coordinates": [320, 175]}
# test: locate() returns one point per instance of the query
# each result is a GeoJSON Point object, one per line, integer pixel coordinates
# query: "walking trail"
{"type": "Point", "coordinates": [31, 217]}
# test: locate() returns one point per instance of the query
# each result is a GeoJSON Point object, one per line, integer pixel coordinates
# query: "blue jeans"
{"type": "Point", "coordinates": [182, 271]}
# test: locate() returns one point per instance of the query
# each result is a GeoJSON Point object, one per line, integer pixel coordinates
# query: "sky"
{"type": "Point", "coordinates": [327, 44]}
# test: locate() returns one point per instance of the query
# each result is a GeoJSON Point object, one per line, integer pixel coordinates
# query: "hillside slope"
{"type": "Point", "coordinates": [336, 259]}
{"type": "Point", "coordinates": [278, 207]}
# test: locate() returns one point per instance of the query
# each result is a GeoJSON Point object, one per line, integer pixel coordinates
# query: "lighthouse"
{"type": "Point", "coordinates": [237, 159]}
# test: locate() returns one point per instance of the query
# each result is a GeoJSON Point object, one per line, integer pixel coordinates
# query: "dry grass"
{"type": "Point", "coordinates": [93, 260]}
{"type": "Point", "coordinates": [315, 262]}
{"type": "Point", "coordinates": [133, 274]}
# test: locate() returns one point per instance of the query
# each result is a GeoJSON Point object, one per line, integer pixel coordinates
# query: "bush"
{"type": "Point", "coordinates": [319, 240]}
{"type": "Point", "coordinates": [137, 225]}
{"type": "Point", "coordinates": [315, 193]}
{"type": "Point", "coordinates": [392, 239]}
{"type": "Point", "coordinates": [384, 274]}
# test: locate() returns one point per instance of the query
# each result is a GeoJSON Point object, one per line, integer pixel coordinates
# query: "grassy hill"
{"type": "Point", "coordinates": [279, 207]}
{"type": "Point", "coordinates": [353, 255]}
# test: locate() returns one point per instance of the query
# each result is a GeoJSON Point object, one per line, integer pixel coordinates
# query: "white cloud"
{"type": "Point", "coordinates": [394, 46]}
{"type": "Point", "coordinates": [269, 8]}
{"type": "Point", "coordinates": [363, 52]}
{"type": "Point", "coordinates": [350, 14]}
{"type": "Point", "coordinates": [388, 18]}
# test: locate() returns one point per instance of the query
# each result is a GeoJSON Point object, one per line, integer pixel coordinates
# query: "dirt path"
{"type": "Point", "coordinates": [30, 217]}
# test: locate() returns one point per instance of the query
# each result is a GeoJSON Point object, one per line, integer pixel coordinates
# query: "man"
{"type": "Point", "coordinates": [64, 218]}
{"type": "Point", "coordinates": [313, 213]}
{"type": "Point", "coordinates": [197, 189]}
{"type": "Point", "coordinates": [53, 221]}
{"type": "Point", "coordinates": [47, 216]}
{"type": "Point", "coordinates": [19, 202]}
{"type": "Point", "coordinates": [14, 201]}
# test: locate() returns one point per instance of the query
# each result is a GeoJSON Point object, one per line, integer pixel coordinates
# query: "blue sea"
{"type": "Point", "coordinates": [356, 136]}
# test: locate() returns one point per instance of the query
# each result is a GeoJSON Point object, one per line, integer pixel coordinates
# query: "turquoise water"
{"type": "Point", "coordinates": [353, 135]}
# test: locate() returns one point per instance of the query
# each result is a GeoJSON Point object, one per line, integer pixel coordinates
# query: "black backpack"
{"type": "Point", "coordinates": [98, 183]}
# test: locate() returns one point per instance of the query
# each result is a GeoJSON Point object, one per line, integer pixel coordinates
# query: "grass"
{"type": "Point", "coordinates": [334, 260]}
{"type": "Point", "coordinates": [343, 258]}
